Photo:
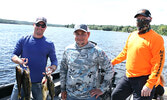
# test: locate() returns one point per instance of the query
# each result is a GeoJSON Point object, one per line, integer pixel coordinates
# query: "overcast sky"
{"type": "Point", "coordinates": [99, 12]}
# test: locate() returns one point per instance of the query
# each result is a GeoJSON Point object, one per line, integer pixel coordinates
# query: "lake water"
{"type": "Point", "coordinates": [111, 42]}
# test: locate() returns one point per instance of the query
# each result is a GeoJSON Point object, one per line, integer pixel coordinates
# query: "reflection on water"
{"type": "Point", "coordinates": [111, 42]}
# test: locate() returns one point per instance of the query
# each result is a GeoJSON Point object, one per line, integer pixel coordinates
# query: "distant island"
{"type": "Point", "coordinates": [7, 21]}
{"type": "Point", "coordinates": [160, 29]}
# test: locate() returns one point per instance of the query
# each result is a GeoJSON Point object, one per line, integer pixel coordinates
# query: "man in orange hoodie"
{"type": "Point", "coordinates": [144, 54]}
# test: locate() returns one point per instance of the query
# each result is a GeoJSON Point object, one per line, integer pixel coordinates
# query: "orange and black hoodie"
{"type": "Point", "coordinates": [144, 55]}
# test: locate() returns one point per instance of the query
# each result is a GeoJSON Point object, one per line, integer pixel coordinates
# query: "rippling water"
{"type": "Point", "coordinates": [111, 42]}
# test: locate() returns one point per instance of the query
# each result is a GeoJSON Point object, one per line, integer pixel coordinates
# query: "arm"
{"type": "Point", "coordinates": [21, 61]}
{"type": "Point", "coordinates": [53, 59]}
{"type": "Point", "coordinates": [157, 62]}
{"type": "Point", "coordinates": [104, 62]}
{"type": "Point", "coordinates": [17, 51]}
{"type": "Point", "coordinates": [63, 75]}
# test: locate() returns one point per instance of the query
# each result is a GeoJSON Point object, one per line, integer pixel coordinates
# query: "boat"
{"type": "Point", "coordinates": [6, 90]}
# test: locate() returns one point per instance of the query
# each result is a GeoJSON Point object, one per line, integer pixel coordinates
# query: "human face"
{"type": "Point", "coordinates": [143, 23]}
{"type": "Point", "coordinates": [143, 17]}
{"type": "Point", "coordinates": [81, 37]}
{"type": "Point", "coordinates": [39, 29]}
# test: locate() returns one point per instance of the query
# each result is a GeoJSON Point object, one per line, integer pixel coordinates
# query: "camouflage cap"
{"type": "Point", "coordinates": [82, 27]}
{"type": "Point", "coordinates": [41, 19]}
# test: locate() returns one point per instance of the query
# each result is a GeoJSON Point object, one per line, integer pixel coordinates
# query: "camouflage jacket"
{"type": "Point", "coordinates": [79, 70]}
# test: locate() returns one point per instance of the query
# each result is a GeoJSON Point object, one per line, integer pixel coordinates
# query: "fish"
{"type": "Point", "coordinates": [44, 88]}
{"type": "Point", "coordinates": [26, 84]}
{"type": "Point", "coordinates": [50, 85]}
{"type": "Point", "coordinates": [19, 80]}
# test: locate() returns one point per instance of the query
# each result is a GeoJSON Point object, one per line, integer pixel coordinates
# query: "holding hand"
{"type": "Point", "coordinates": [50, 69]}
{"type": "Point", "coordinates": [64, 95]}
{"type": "Point", "coordinates": [21, 61]}
{"type": "Point", "coordinates": [24, 61]}
{"type": "Point", "coordinates": [146, 91]}
{"type": "Point", "coordinates": [96, 92]}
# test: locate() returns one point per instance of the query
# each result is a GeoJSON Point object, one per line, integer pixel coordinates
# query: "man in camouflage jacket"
{"type": "Point", "coordinates": [79, 68]}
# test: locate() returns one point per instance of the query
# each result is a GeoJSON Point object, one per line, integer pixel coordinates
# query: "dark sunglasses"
{"type": "Point", "coordinates": [42, 25]}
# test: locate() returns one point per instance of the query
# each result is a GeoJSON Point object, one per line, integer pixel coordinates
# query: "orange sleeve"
{"type": "Point", "coordinates": [157, 61]}
{"type": "Point", "coordinates": [160, 81]}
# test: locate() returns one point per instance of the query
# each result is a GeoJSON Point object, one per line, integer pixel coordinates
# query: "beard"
{"type": "Point", "coordinates": [81, 43]}
{"type": "Point", "coordinates": [143, 25]}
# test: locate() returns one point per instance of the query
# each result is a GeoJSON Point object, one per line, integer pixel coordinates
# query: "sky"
{"type": "Point", "coordinates": [98, 12]}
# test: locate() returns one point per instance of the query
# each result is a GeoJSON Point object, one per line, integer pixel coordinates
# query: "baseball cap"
{"type": "Point", "coordinates": [39, 19]}
{"type": "Point", "coordinates": [143, 12]}
{"type": "Point", "coordinates": [82, 27]}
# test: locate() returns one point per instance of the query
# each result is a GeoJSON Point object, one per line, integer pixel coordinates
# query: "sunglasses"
{"type": "Point", "coordinates": [42, 25]}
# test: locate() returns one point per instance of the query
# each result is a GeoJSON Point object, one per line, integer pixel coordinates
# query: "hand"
{"type": "Point", "coordinates": [96, 92]}
{"type": "Point", "coordinates": [23, 61]}
{"type": "Point", "coordinates": [50, 69]}
{"type": "Point", "coordinates": [64, 95]}
{"type": "Point", "coordinates": [146, 91]}
{"type": "Point", "coordinates": [20, 61]}
{"type": "Point", "coordinates": [111, 65]}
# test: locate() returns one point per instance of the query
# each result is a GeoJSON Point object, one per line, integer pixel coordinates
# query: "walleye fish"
{"type": "Point", "coordinates": [19, 80]}
{"type": "Point", "coordinates": [50, 85]}
{"type": "Point", "coordinates": [26, 84]}
{"type": "Point", "coordinates": [44, 88]}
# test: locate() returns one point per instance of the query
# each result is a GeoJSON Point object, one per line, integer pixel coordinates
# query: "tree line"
{"type": "Point", "coordinates": [6, 21]}
{"type": "Point", "coordinates": [160, 29]}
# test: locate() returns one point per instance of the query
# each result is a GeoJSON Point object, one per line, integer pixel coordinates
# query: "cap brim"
{"type": "Point", "coordinates": [140, 14]}
{"type": "Point", "coordinates": [80, 29]}
{"type": "Point", "coordinates": [40, 21]}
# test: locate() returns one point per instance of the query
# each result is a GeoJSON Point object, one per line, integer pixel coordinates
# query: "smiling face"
{"type": "Point", "coordinates": [81, 37]}
{"type": "Point", "coordinates": [39, 29]}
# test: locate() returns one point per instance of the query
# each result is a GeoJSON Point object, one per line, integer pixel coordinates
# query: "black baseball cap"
{"type": "Point", "coordinates": [82, 27]}
{"type": "Point", "coordinates": [143, 12]}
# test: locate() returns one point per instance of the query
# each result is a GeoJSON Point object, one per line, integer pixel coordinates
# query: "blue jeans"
{"type": "Point", "coordinates": [36, 92]}
{"type": "Point", "coordinates": [91, 98]}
